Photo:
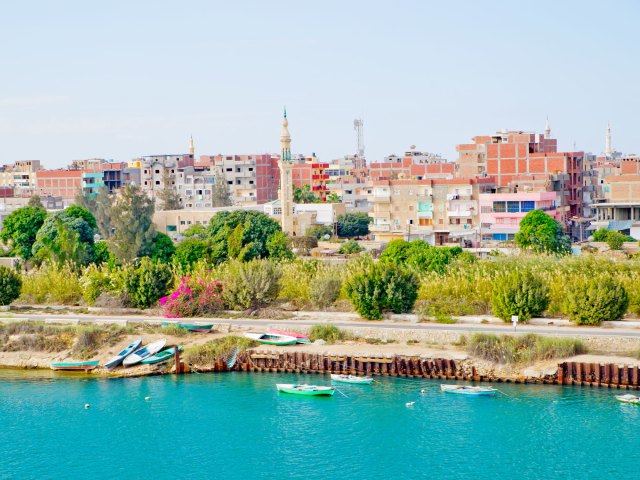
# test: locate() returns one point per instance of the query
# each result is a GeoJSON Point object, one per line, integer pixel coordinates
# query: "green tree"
{"type": "Point", "coordinates": [20, 228]}
{"type": "Point", "coordinates": [304, 194]}
{"type": "Point", "coordinates": [103, 212]}
{"type": "Point", "coordinates": [146, 282]}
{"type": "Point", "coordinates": [420, 255]}
{"type": "Point", "coordinates": [353, 224]}
{"type": "Point", "coordinates": [163, 248]}
{"type": "Point", "coordinates": [350, 247]}
{"type": "Point", "coordinates": [168, 197]}
{"type": "Point", "coordinates": [77, 211]}
{"type": "Point", "coordinates": [131, 218]}
{"type": "Point", "coordinates": [10, 284]}
{"type": "Point", "coordinates": [334, 198]}
{"type": "Point", "coordinates": [256, 230]}
{"type": "Point", "coordinates": [519, 293]}
{"type": "Point", "coordinates": [190, 250]}
{"type": "Point", "coordinates": [319, 231]}
{"type": "Point", "coordinates": [595, 299]}
{"type": "Point", "coordinates": [279, 246]}
{"type": "Point", "coordinates": [102, 254]}
{"type": "Point", "coordinates": [542, 234]}
{"type": "Point", "coordinates": [86, 200]}
{"type": "Point", "coordinates": [615, 240]}
{"type": "Point", "coordinates": [220, 194]}
{"type": "Point", "coordinates": [63, 238]}
{"type": "Point", "coordinates": [196, 230]}
{"type": "Point", "coordinates": [35, 201]}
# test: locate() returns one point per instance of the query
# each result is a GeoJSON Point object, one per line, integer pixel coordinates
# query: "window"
{"type": "Point", "coordinates": [251, 169]}
{"type": "Point", "coordinates": [425, 221]}
{"type": "Point", "coordinates": [250, 182]}
{"type": "Point", "coordinates": [499, 207]}
{"type": "Point", "coordinates": [527, 206]}
{"type": "Point", "coordinates": [513, 207]}
{"type": "Point", "coordinates": [469, 221]}
{"type": "Point", "coordinates": [157, 182]}
{"type": "Point", "coordinates": [157, 171]}
{"type": "Point", "coordinates": [230, 182]}
{"type": "Point", "coordinates": [229, 169]}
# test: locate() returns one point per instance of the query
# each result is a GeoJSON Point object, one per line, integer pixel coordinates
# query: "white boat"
{"type": "Point", "coordinates": [468, 390]}
{"type": "Point", "coordinates": [119, 358]}
{"type": "Point", "coordinates": [351, 379]}
{"type": "Point", "coordinates": [303, 389]}
{"type": "Point", "coordinates": [272, 338]}
{"type": "Point", "coordinates": [144, 352]}
{"type": "Point", "coordinates": [628, 398]}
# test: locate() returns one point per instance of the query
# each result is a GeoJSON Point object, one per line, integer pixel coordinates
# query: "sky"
{"type": "Point", "coordinates": [123, 79]}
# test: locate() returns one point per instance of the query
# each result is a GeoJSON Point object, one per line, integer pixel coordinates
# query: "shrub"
{"type": "Point", "coordinates": [595, 299]}
{"type": "Point", "coordinates": [163, 248]}
{"type": "Point", "coordinates": [373, 288]}
{"type": "Point", "coordinates": [350, 247]}
{"type": "Point", "coordinates": [191, 250]}
{"type": "Point", "coordinates": [522, 348]}
{"type": "Point", "coordinates": [10, 284]}
{"type": "Point", "coordinates": [49, 284]}
{"type": "Point", "coordinates": [519, 293]}
{"type": "Point", "coordinates": [95, 281]}
{"type": "Point", "coordinates": [328, 333]}
{"type": "Point", "coordinates": [146, 283]}
{"type": "Point", "coordinates": [211, 352]}
{"type": "Point", "coordinates": [615, 240]}
{"type": "Point", "coordinates": [304, 245]}
{"type": "Point", "coordinates": [325, 288]}
{"type": "Point", "coordinates": [194, 297]}
{"type": "Point", "coordinates": [251, 284]}
{"type": "Point", "coordinates": [295, 281]}
{"type": "Point", "coordinates": [319, 231]}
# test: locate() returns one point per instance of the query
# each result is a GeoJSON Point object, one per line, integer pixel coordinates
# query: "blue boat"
{"type": "Point", "coordinates": [117, 360]}
{"type": "Point", "coordinates": [144, 352]}
{"type": "Point", "coordinates": [162, 356]}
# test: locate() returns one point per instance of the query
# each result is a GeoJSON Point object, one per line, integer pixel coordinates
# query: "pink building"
{"type": "Point", "coordinates": [500, 213]}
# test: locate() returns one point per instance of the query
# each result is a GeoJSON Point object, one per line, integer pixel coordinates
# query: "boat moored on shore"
{"type": "Point", "coordinates": [162, 356]}
{"type": "Point", "coordinates": [192, 327]}
{"type": "Point", "coordinates": [75, 366]}
{"type": "Point", "coordinates": [144, 352]}
{"type": "Point", "coordinates": [120, 356]}
{"type": "Point", "coordinates": [300, 337]}
{"type": "Point", "coordinates": [304, 389]}
{"type": "Point", "coordinates": [272, 338]}
{"type": "Point", "coordinates": [628, 398]}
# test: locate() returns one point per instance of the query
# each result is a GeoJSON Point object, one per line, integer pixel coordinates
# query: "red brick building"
{"type": "Point", "coordinates": [59, 183]}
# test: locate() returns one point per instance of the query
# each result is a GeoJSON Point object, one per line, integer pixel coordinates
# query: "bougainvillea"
{"type": "Point", "coordinates": [194, 297]}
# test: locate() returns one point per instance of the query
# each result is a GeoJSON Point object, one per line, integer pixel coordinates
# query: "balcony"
{"type": "Point", "coordinates": [459, 213]}
{"type": "Point", "coordinates": [379, 228]}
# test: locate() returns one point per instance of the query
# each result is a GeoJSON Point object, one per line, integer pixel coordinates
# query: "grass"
{"type": "Point", "coordinates": [328, 333]}
{"type": "Point", "coordinates": [209, 353]}
{"type": "Point", "coordinates": [174, 330]}
{"type": "Point", "coordinates": [522, 349]}
{"type": "Point", "coordinates": [447, 319]}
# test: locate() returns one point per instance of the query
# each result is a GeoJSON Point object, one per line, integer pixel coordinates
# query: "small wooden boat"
{"type": "Point", "coordinates": [162, 356]}
{"type": "Point", "coordinates": [118, 358]}
{"type": "Point", "coordinates": [233, 357]}
{"type": "Point", "coordinates": [300, 337]}
{"type": "Point", "coordinates": [351, 379]}
{"type": "Point", "coordinates": [75, 366]}
{"type": "Point", "coordinates": [628, 398]}
{"type": "Point", "coordinates": [144, 352]}
{"type": "Point", "coordinates": [468, 390]}
{"type": "Point", "coordinates": [272, 338]}
{"type": "Point", "coordinates": [303, 389]}
{"type": "Point", "coordinates": [192, 327]}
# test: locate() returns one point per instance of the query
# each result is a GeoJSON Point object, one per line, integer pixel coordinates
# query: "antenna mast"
{"type": "Point", "coordinates": [358, 126]}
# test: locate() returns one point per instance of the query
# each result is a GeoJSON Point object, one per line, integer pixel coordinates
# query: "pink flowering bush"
{"type": "Point", "coordinates": [194, 297]}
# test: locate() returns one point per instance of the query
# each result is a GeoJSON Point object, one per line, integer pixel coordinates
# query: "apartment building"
{"type": "Point", "coordinates": [414, 165]}
{"type": "Point", "coordinates": [21, 176]}
{"type": "Point", "coordinates": [438, 211]}
{"type": "Point", "coordinates": [66, 184]}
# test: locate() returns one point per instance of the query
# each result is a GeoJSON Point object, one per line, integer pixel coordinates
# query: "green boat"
{"type": "Point", "coordinates": [272, 338]}
{"type": "Point", "coordinates": [162, 356]}
{"type": "Point", "coordinates": [192, 327]}
{"type": "Point", "coordinates": [306, 390]}
{"type": "Point", "coordinates": [75, 366]}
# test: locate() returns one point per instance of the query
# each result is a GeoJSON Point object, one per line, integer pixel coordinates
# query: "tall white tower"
{"type": "Point", "coordinates": [607, 141]}
{"type": "Point", "coordinates": [547, 130]}
{"type": "Point", "coordinates": [192, 148]}
{"type": "Point", "coordinates": [286, 178]}
{"type": "Point", "coordinates": [358, 126]}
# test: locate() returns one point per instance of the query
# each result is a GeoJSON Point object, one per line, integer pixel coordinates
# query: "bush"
{"type": "Point", "coordinates": [324, 289]}
{"type": "Point", "coordinates": [191, 250]}
{"type": "Point", "coordinates": [211, 352]}
{"type": "Point", "coordinates": [522, 348]}
{"type": "Point", "coordinates": [163, 248]}
{"type": "Point", "coordinates": [295, 281]}
{"type": "Point", "coordinates": [373, 288]}
{"type": "Point", "coordinates": [146, 283]}
{"type": "Point", "coordinates": [328, 333]}
{"type": "Point", "coordinates": [595, 299]}
{"type": "Point", "coordinates": [10, 284]}
{"type": "Point", "coordinates": [95, 281]}
{"type": "Point", "coordinates": [194, 297]}
{"type": "Point", "coordinates": [615, 240]}
{"type": "Point", "coordinates": [350, 247]}
{"type": "Point", "coordinates": [252, 284]}
{"type": "Point", "coordinates": [519, 293]}
{"type": "Point", "coordinates": [49, 284]}
{"type": "Point", "coordinates": [319, 231]}
{"type": "Point", "coordinates": [304, 245]}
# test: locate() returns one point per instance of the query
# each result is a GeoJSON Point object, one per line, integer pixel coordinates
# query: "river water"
{"type": "Point", "coordinates": [236, 426]}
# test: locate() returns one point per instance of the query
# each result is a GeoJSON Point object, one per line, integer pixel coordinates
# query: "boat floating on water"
{"type": "Point", "coordinates": [162, 356]}
{"type": "Point", "coordinates": [468, 390]}
{"type": "Point", "coordinates": [628, 398]}
{"type": "Point", "coordinates": [75, 366]}
{"type": "Point", "coordinates": [351, 379]}
{"type": "Point", "coordinates": [144, 352]}
{"type": "Point", "coordinates": [303, 389]}
{"type": "Point", "coordinates": [272, 338]}
{"type": "Point", "coordinates": [300, 337]}
{"type": "Point", "coordinates": [192, 327]}
{"type": "Point", "coordinates": [119, 357]}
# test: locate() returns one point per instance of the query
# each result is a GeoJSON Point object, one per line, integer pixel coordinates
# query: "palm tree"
{"type": "Point", "coordinates": [304, 195]}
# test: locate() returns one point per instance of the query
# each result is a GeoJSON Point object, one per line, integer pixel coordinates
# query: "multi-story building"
{"type": "Point", "coordinates": [414, 165]}
{"type": "Point", "coordinates": [311, 171]}
{"type": "Point", "coordinates": [154, 168]}
{"type": "Point", "coordinates": [21, 177]}
{"type": "Point", "coordinates": [66, 184]}
{"type": "Point", "coordinates": [438, 211]}
{"type": "Point", "coordinates": [501, 213]}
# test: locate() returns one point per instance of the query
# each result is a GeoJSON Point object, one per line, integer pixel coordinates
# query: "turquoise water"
{"type": "Point", "coordinates": [236, 426]}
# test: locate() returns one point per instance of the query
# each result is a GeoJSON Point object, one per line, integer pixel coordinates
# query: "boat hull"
{"type": "Point", "coordinates": [271, 339]}
{"type": "Point", "coordinates": [628, 398]}
{"type": "Point", "coordinates": [145, 352]}
{"type": "Point", "coordinates": [74, 366]}
{"type": "Point", "coordinates": [305, 390]}
{"type": "Point", "coordinates": [192, 327]}
{"type": "Point", "coordinates": [351, 379]}
{"type": "Point", "coordinates": [161, 357]}
{"type": "Point", "coordinates": [300, 337]}
{"type": "Point", "coordinates": [468, 390]}
{"type": "Point", "coordinates": [119, 358]}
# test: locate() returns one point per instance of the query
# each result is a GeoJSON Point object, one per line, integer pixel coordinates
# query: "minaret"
{"type": "Point", "coordinates": [547, 130]}
{"type": "Point", "coordinates": [286, 178]}
{"type": "Point", "coordinates": [192, 148]}
{"type": "Point", "coordinates": [607, 141]}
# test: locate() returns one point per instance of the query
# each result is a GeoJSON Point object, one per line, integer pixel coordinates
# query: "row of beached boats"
{"type": "Point", "coordinates": [131, 355]}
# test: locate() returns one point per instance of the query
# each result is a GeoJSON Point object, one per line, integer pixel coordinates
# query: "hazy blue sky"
{"type": "Point", "coordinates": [120, 79]}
